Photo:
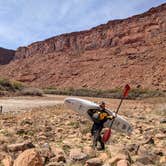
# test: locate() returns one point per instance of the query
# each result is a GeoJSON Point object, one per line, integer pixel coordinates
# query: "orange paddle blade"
{"type": "Point", "coordinates": [106, 135]}
{"type": "Point", "coordinates": [126, 90]}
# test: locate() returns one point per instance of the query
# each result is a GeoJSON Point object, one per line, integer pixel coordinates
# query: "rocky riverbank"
{"type": "Point", "coordinates": [55, 136]}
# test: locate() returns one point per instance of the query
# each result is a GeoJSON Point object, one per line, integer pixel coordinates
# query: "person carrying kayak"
{"type": "Point", "coordinates": [99, 117]}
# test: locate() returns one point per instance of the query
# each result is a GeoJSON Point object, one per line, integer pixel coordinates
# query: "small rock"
{"type": "Point", "coordinates": [141, 117]}
{"type": "Point", "coordinates": [142, 150]}
{"type": "Point", "coordinates": [59, 153]}
{"type": "Point", "coordinates": [160, 136]}
{"type": "Point", "coordinates": [7, 161]}
{"type": "Point", "coordinates": [119, 156]}
{"type": "Point", "coordinates": [48, 128]}
{"type": "Point", "coordinates": [163, 120]}
{"type": "Point", "coordinates": [2, 155]}
{"type": "Point", "coordinates": [60, 130]}
{"type": "Point", "coordinates": [114, 149]}
{"type": "Point", "coordinates": [77, 155]}
{"type": "Point", "coordinates": [29, 157]}
{"type": "Point", "coordinates": [56, 150]}
{"type": "Point", "coordinates": [149, 141]}
{"type": "Point", "coordinates": [26, 122]}
{"type": "Point", "coordinates": [146, 159]}
{"type": "Point", "coordinates": [45, 152]}
{"type": "Point", "coordinates": [106, 164]}
{"type": "Point", "coordinates": [133, 148]}
{"type": "Point", "coordinates": [163, 159]}
{"type": "Point", "coordinates": [20, 146]}
{"type": "Point", "coordinates": [94, 162]}
{"type": "Point", "coordinates": [103, 156]}
{"type": "Point", "coordinates": [123, 163]}
{"type": "Point", "coordinates": [42, 137]}
{"type": "Point", "coordinates": [89, 151]}
{"type": "Point", "coordinates": [66, 147]}
{"type": "Point", "coordinates": [159, 151]}
{"type": "Point", "coordinates": [61, 158]}
{"type": "Point", "coordinates": [21, 131]}
{"type": "Point", "coordinates": [138, 164]}
{"type": "Point", "coordinates": [55, 164]}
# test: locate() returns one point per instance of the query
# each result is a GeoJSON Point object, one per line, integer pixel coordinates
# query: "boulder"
{"type": "Point", "coordinates": [29, 157]}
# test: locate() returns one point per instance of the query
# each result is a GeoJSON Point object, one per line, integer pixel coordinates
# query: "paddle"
{"type": "Point", "coordinates": [107, 134]}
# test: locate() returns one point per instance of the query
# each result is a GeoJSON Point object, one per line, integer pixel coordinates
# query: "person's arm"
{"type": "Point", "coordinates": [93, 114]}
{"type": "Point", "coordinates": [111, 117]}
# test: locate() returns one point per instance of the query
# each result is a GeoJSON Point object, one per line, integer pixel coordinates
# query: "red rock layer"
{"type": "Point", "coordinates": [105, 57]}
{"type": "Point", "coordinates": [6, 56]}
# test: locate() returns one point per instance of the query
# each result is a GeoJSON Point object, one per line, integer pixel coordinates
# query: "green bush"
{"type": "Point", "coordinates": [17, 85]}
{"type": "Point", "coordinates": [145, 93]}
{"type": "Point", "coordinates": [114, 93]}
{"type": "Point", "coordinates": [7, 85]}
{"type": "Point", "coordinates": [5, 82]}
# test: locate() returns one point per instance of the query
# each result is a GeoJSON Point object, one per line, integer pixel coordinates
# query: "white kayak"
{"type": "Point", "coordinates": [82, 107]}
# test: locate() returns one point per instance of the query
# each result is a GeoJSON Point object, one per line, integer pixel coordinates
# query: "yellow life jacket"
{"type": "Point", "coordinates": [102, 115]}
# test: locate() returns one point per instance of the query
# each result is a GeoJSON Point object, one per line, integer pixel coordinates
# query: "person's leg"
{"type": "Point", "coordinates": [100, 139]}
{"type": "Point", "coordinates": [94, 135]}
{"type": "Point", "coordinates": [101, 143]}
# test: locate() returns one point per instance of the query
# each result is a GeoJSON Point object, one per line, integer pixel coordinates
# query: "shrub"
{"type": "Point", "coordinates": [7, 85]}
{"type": "Point", "coordinates": [114, 93]}
{"type": "Point", "coordinates": [32, 92]}
{"type": "Point", "coordinates": [17, 85]}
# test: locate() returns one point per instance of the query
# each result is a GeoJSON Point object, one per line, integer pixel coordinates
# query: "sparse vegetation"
{"type": "Point", "coordinates": [74, 124]}
{"type": "Point", "coordinates": [7, 85]}
{"type": "Point", "coordinates": [114, 93]}
{"type": "Point", "coordinates": [32, 92]}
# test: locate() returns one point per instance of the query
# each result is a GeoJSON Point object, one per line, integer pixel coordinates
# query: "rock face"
{"type": "Point", "coordinates": [6, 56]}
{"type": "Point", "coordinates": [130, 50]}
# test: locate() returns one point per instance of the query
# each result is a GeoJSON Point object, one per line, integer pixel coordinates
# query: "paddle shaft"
{"type": "Point", "coordinates": [117, 111]}
{"type": "Point", "coordinates": [107, 134]}
{"type": "Point", "coordinates": [126, 90]}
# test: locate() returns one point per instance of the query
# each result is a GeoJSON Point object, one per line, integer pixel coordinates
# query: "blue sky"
{"type": "Point", "coordinates": [25, 21]}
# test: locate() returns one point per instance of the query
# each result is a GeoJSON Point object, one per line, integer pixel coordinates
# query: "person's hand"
{"type": "Point", "coordinates": [111, 117]}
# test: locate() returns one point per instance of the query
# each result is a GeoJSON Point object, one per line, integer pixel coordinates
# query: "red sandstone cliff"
{"type": "Point", "coordinates": [108, 56]}
{"type": "Point", "coordinates": [6, 56]}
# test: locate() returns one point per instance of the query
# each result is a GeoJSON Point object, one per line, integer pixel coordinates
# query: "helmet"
{"type": "Point", "coordinates": [102, 103]}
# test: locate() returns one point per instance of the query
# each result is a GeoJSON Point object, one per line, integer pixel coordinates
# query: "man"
{"type": "Point", "coordinates": [99, 117]}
